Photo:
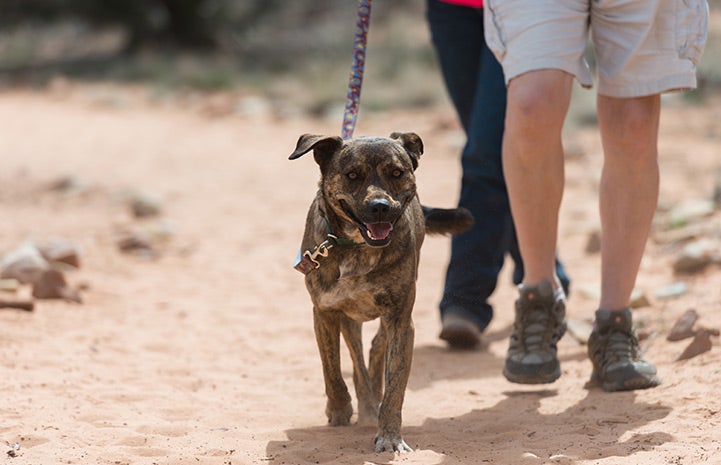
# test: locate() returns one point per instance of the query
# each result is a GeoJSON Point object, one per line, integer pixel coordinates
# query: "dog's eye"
{"type": "Point", "coordinates": [352, 175]}
{"type": "Point", "coordinates": [397, 173]}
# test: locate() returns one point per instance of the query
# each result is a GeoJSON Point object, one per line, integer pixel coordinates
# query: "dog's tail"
{"type": "Point", "coordinates": [447, 220]}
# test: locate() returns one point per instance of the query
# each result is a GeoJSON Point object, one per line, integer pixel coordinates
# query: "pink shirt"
{"type": "Point", "coordinates": [471, 3]}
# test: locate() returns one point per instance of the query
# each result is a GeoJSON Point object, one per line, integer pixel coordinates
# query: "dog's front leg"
{"type": "Point", "coordinates": [398, 365]}
{"type": "Point", "coordinates": [368, 401]}
{"type": "Point", "coordinates": [327, 333]}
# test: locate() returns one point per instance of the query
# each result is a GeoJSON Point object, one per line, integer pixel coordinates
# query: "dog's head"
{"type": "Point", "coordinates": [367, 181]}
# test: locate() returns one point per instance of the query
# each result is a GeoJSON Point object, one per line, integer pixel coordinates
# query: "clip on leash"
{"type": "Point", "coordinates": [350, 115]}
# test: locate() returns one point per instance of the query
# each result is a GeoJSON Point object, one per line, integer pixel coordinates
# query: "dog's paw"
{"type": "Point", "coordinates": [388, 444]}
{"type": "Point", "coordinates": [339, 416]}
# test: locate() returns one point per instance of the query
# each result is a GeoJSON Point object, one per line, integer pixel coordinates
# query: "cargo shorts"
{"type": "Point", "coordinates": [642, 47]}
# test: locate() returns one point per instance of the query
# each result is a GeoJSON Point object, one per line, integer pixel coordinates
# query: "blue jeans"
{"type": "Point", "coordinates": [474, 80]}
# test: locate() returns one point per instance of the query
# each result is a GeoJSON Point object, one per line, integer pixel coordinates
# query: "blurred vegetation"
{"type": "Point", "coordinates": [299, 50]}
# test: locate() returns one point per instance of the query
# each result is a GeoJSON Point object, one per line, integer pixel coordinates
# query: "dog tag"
{"type": "Point", "coordinates": [303, 263]}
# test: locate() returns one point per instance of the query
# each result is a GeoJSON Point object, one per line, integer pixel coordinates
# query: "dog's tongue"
{"type": "Point", "coordinates": [379, 231]}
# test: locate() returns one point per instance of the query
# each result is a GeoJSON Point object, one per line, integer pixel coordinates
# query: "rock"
{"type": "Point", "coordinates": [69, 184]}
{"type": "Point", "coordinates": [701, 343]}
{"type": "Point", "coordinates": [25, 264]}
{"type": "Point", "coordinates": [683, 328]}
{"type": "Point", "coordinates": [61, 251]}
{"type": "Point", "coordinates": [21, 304]}
{"type": "Point", "coordinates": [689, 211]}
{"type": "Point", "coordinates": [9, 285]}
{"type": "Point", "coordinates": [639, 299]}
{"type": "Point", "coordinates": [686, 233]}
{"type": "Point", "coordinates": [144, 205]}
{"type": "Point", "coordinates": [138, 244]}
{"type": "Point", "coordinates": [676, 289]}
{"type": "Point", "coordinates": [696, 256]}
{"type": "Point", "coordinates": [52, 285]}
{"type": "Point", "coordinates": [593, 244]}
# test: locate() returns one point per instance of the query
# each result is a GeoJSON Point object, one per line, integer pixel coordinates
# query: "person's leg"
{"type": "Point", "coordinates": [629, 191]}
{"type": "Point", "coordinates": [475, 83]}
{"type": "Point", "coordinates": [533, 166]}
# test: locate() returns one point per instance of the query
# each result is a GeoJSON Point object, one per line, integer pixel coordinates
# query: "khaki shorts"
{"type": "Point", "coordinates": [642, 47]}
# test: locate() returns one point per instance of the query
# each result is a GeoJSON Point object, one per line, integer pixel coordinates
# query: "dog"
{"type": "Point", "coordinates": [359, 254]}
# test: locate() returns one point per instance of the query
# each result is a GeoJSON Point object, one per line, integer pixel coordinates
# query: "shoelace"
{"type": "Point", "coordinates": [620, 346]}
{"type": "Point", "coordinates": [538, 327]}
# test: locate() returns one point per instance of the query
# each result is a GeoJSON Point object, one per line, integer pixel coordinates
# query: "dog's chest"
{"type": "Point", "coordinates": [355, 297]}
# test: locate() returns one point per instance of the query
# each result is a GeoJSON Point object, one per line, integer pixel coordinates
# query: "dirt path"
{"type": "Point", "coordinates": [206, 354]}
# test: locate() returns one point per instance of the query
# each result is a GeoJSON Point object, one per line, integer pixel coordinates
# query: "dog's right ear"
{"type": "Point", "coordinates": [322, 146]}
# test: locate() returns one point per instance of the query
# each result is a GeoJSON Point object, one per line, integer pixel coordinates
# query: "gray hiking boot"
{"type": "Point", "coordinates": [616, 355]}
{"type": "Point", "coordinates": [539, 325]}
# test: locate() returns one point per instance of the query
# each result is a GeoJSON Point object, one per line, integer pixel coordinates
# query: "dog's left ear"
{"type": "Point", "coordinates": [322, 147]}
{"type": "Point", "coordinates": [412, 143]}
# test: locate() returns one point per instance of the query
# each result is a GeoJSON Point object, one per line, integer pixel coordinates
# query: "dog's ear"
{"type": "Point", "coordinates": [412, 143]}
{"type": "Point", "coordinates": [322, 146]}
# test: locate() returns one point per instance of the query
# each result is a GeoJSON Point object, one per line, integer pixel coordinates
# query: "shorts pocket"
{"type": "Point", "coordinates": [492, 30]}
{"type": "Point", "coordinates": [691, 28]}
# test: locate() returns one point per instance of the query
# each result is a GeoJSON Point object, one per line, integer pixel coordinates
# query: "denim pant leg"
{"type": "Point", "coordinates": [475, 83]}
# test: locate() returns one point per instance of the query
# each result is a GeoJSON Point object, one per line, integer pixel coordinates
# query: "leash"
{"type": "Point", "coordinates": [307, 261]}
{"type": "Point", "coordinates": [350, 115]}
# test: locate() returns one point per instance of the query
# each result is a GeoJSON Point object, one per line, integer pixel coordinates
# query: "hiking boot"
{"type": "Point", "coordinates": [616, 355]}
{"type": "Point", "coordinates": [460, 332]}
{"type": "Point", "coordinates": [539, 325]}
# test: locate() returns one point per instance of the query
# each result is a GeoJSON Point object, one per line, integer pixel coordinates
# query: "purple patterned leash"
{"type": "Point", "coordinates": [350, 115]}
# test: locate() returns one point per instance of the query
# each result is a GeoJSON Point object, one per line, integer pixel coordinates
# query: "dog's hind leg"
{"type": "Point", "coordinates": [367, 401]}
{"type": "Point", "coordinates": [327, 333]}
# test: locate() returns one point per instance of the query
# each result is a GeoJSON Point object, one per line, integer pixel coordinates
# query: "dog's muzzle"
{"type": "Point", "coordinates": [378, 229]}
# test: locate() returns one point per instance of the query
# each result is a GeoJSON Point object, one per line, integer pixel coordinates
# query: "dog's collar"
{"type": "Point", "coordinates": [307, 261]}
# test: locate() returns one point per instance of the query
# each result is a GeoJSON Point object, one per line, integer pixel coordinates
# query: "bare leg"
{"type": "Point", "coordinates": [629, 191]}
{"type": "Point", "coordinates": [533, 165]}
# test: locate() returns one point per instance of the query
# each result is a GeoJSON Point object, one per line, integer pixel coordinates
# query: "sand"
{"type": "Point", "coordinates": [204, 352]}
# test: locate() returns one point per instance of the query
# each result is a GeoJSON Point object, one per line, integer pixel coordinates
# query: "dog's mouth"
{"type": "Point", "coordinates": [374, 234]}
{"type": "Point", "coordinates": [377, 234]}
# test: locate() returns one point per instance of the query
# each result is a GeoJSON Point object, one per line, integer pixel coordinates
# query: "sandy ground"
{"type": "Point", "coordinates": [206, 354]}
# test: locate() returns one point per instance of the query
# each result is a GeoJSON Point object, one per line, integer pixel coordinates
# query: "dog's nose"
{"type": "Point", "coordinates": [379, 206]}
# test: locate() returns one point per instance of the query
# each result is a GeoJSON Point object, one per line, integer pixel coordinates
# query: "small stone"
{"type": "Point", "coordinates": [69, 184]}
{"type": "Point", "coordinates": [593, 244]}
{"type": "Point", "coordinates": [61, 251]}
{"type": "Point", "coordinates": [686, 212]}
{"type": "Point", "coordinates": [25, 264]}
{"type": "Point", "coordinates": [696, 256]}
{"type": "Point", "coordinates": [21, 304]}
{"type": "Point", "coordinates": [9, 285]}
{"type": "Point", "coordinates": [138, 244]}
{"type": "Point", "coordinates": [639, 299]}
{"type": "Point", "coordinates": [683, 328]}
{"type": "Point", "coordinates": [676, 289]}
{"type": "Point", "coordinates": [145, 205]}
{"type": "Point", "coordinates": [701, 343]}
{"type": "Point", "coordinates": [52, 285]}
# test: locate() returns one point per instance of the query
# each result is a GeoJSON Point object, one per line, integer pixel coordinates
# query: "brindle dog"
{"type": "Point", "coordinates": [361, 246]}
